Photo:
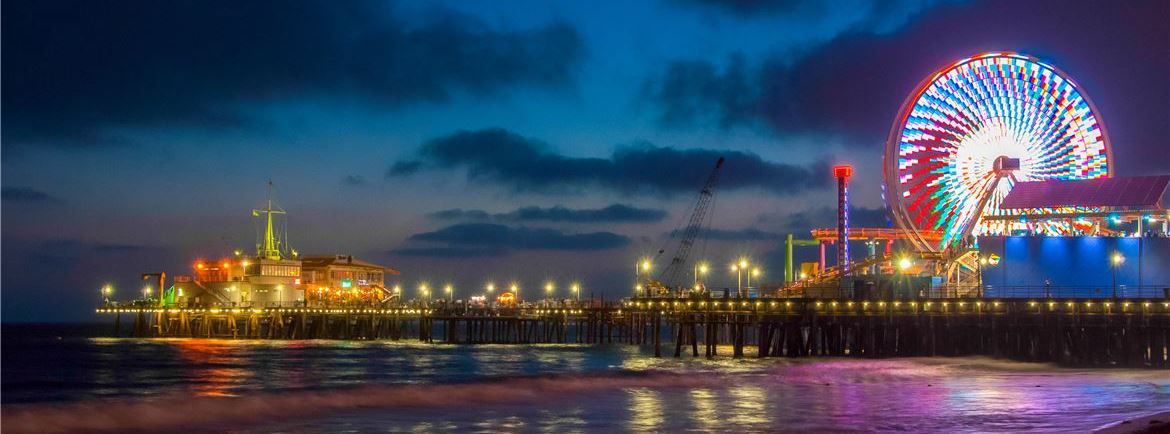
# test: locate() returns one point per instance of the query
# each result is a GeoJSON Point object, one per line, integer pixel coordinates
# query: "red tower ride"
{"type": "Point", "coordinates": [842, 173]}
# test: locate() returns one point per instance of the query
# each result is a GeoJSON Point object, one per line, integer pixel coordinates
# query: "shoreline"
{"type": "Point", "coordinates": [1151, 423]}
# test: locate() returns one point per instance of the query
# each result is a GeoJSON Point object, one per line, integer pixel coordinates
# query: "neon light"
{"type": "Point", "coordinates": [942, 153]}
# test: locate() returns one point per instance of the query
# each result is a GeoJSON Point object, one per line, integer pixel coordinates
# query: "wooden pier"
{"type": "Point", "coordinates": [1080, 332]}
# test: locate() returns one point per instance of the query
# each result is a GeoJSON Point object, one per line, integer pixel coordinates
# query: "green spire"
{"type": "Point", "coordinates": [270, 248]}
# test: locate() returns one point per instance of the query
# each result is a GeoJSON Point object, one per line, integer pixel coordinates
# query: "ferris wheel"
{"type": "Point", "coordinates": [974, 129]}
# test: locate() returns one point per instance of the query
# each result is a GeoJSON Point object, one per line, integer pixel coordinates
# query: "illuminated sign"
{"type": "Point", "coordinates": [346, 283]}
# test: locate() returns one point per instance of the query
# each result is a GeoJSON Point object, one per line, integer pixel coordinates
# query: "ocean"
{"type": "Point", "coordinates": [66, 378]}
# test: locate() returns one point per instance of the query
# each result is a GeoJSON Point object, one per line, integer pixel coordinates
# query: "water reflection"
{"type": "Point", "coordinates": [910, 395]}
{"type": "Point", "coordinates": [704, 409]}
{"type": "Point", "coordinates": [645, 409]}
{"type": "Point", "coordinates": [749, 406]}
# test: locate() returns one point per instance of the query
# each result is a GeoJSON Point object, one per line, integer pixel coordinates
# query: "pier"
{"type": "Point", "coordinates": [1070, 331]}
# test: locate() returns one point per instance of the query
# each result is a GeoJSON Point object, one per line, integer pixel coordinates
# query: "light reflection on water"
{"type": "Point", "coordinates": [746, 395]}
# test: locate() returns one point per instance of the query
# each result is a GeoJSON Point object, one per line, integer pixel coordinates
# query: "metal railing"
{"type": "Point", "coordinates": [833, 290]}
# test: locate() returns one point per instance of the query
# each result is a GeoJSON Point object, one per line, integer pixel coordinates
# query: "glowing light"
{"type": "Point", "coordinates": [962, 131]}
{"type": "Point", "coordinates": [1117, 259]}
{"type": "Point", "coordinates": [905, 264]}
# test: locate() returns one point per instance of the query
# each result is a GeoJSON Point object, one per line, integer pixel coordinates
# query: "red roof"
{"type": "Point", "coordinates": [1130, 192]}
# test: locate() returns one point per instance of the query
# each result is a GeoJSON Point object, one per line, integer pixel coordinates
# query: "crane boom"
{"type": "Point", "coordinates": [669, 276]}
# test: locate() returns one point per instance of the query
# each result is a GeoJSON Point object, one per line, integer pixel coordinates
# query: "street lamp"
{"type": "Point", "coordinates": [422, 289]}
{"type": "Point", "coordinates": [146, 292]}
{"type": "Point", "coordinates": [739, 269]}
{"type": "Point", "coordinates": [576, 288]}
{"type": "Point", "coordinates": [107, 291]}
{"type": "Point", "coordinates": [701, 268]}
{"type": "Point", "coordinates": [548, 289]}
{"type": "Point", "coordinates": [640, 268]}
{"type": "Point", "coordinates": [1116, 261]}
{"type": "Point", "coordinates": [755, 273]}
{"type": "Point", "coordinates": [516, 292]}
{"type": "Point", "coordinates": [450, 292]}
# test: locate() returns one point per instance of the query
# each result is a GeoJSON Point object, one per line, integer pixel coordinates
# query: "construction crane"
{"type": "Point", "coordinates": [668, 278]}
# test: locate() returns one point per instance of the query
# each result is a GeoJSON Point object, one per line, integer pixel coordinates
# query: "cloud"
{"type": "Point", "coordinates": [88, 69]}
{"type": "Point", "coordinates": [528, 165]}
{"type": "Point", "coordinates": [488, 239]}
{"type": "Point", "coordinates": [746, 234]}
{"type": "Point", "coordinates": [800, 222]}
{"type": "Point", "coordinates": [853, 85]}
{"type": "Point", "coordinates": [746, 8]}
{"type": "Point", "coordinates": [25, 194]}
{"type": "Point", "coordinates": [452, 252]}
{"type": "Point", "coordinates": [404, 168]}
{"type": "Point", "coordinates": [354, 180]}
{"type": "Point", "coordinates": [616, 213]}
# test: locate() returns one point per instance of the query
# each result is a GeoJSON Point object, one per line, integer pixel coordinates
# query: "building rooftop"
{"type": "Point", "coordinates": [1142, 192]}
{"type": "Point", "coordinates": [346, 260]}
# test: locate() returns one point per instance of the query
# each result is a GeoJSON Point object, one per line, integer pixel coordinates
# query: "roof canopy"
{"type": "Point", "coordinates": [1143, 192]}
{"type": "Point", "coordinates": [342, 260]}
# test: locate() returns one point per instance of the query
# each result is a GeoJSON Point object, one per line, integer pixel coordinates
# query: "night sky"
{"type": "Point", "coordinates": [471, 141]}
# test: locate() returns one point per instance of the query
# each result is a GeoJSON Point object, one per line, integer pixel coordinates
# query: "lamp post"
{"type": "Point", "coordinates": [700, 269]}
{"type": "Point", "coordinates": [755, 273]}
{"type": "Point", "coordinates": [576, 287]}
{"type": "Point", "coordinates": [450, 290]}
{"type": "Point", "coordinates": [642, 267]}
{"type": "Point", "coordinates": [516, 292]}
{"type": "Point", "coordinates": [548, 290]}
{"type": "Point", "coordinates": [107, 291]}
{"type": "Point", "coordinates": [739, 269]}
{"type": "Point", "coordinates": [422, 289]}
{"type": "Point", "coordinates": [146, 292]}
{"type": "Point", "coordinates": [1116, 261]}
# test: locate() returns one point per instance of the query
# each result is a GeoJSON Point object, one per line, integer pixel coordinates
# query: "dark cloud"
{"type": "Point", "coordinates": [77, 70]}
{"type": "Point", "coordinates": [452, 252]}
{"type": "Point", "coordinates": [800, 222]}
{"type": "Point", "coordinates": [747, 234]}
{"type": "Point", "coordinates": [25, 194]}
{"type": "Point", "coordinates": [354, 180]}
{"type": "Point", "coordinates": [751, 7]}
{"type": "Point", "coordinates": [523, 238]}
{"type": "Point", "coordinates": [461, 214]}
{"type": "Point", "coordinates": [488, 239]}
{"type": "Point", "coordinates": [854, 84]}
{"type": "Point", "coordinates": [697, 92]}
{"type": "Point", "coordinates": [616, 213]}
{"type": "Point", "coordinates": [529, 165]}
{"type": "Point", "coordinates": [403, 168]}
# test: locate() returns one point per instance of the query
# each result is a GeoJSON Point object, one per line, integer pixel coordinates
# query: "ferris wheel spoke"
{"type": "Point", "coordinates": [957, 125]}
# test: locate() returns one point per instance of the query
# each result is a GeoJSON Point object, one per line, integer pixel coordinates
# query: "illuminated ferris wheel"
{"type": "Point", "coordinates": [972, 130]}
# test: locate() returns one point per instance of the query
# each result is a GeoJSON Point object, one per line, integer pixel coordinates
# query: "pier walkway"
{"type": "Point", "coordinates": [1074, 331]}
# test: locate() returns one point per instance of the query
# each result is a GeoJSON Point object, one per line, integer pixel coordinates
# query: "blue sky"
{"type": "Point", "coordinates": [137, 134]}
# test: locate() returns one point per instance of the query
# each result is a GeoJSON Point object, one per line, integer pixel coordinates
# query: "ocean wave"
{"type": "Point", "coordinates": [173, 412]}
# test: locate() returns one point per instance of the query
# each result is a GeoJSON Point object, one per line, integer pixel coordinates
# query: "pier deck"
{"type": "Point", "coordinates": [1089, 332]}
